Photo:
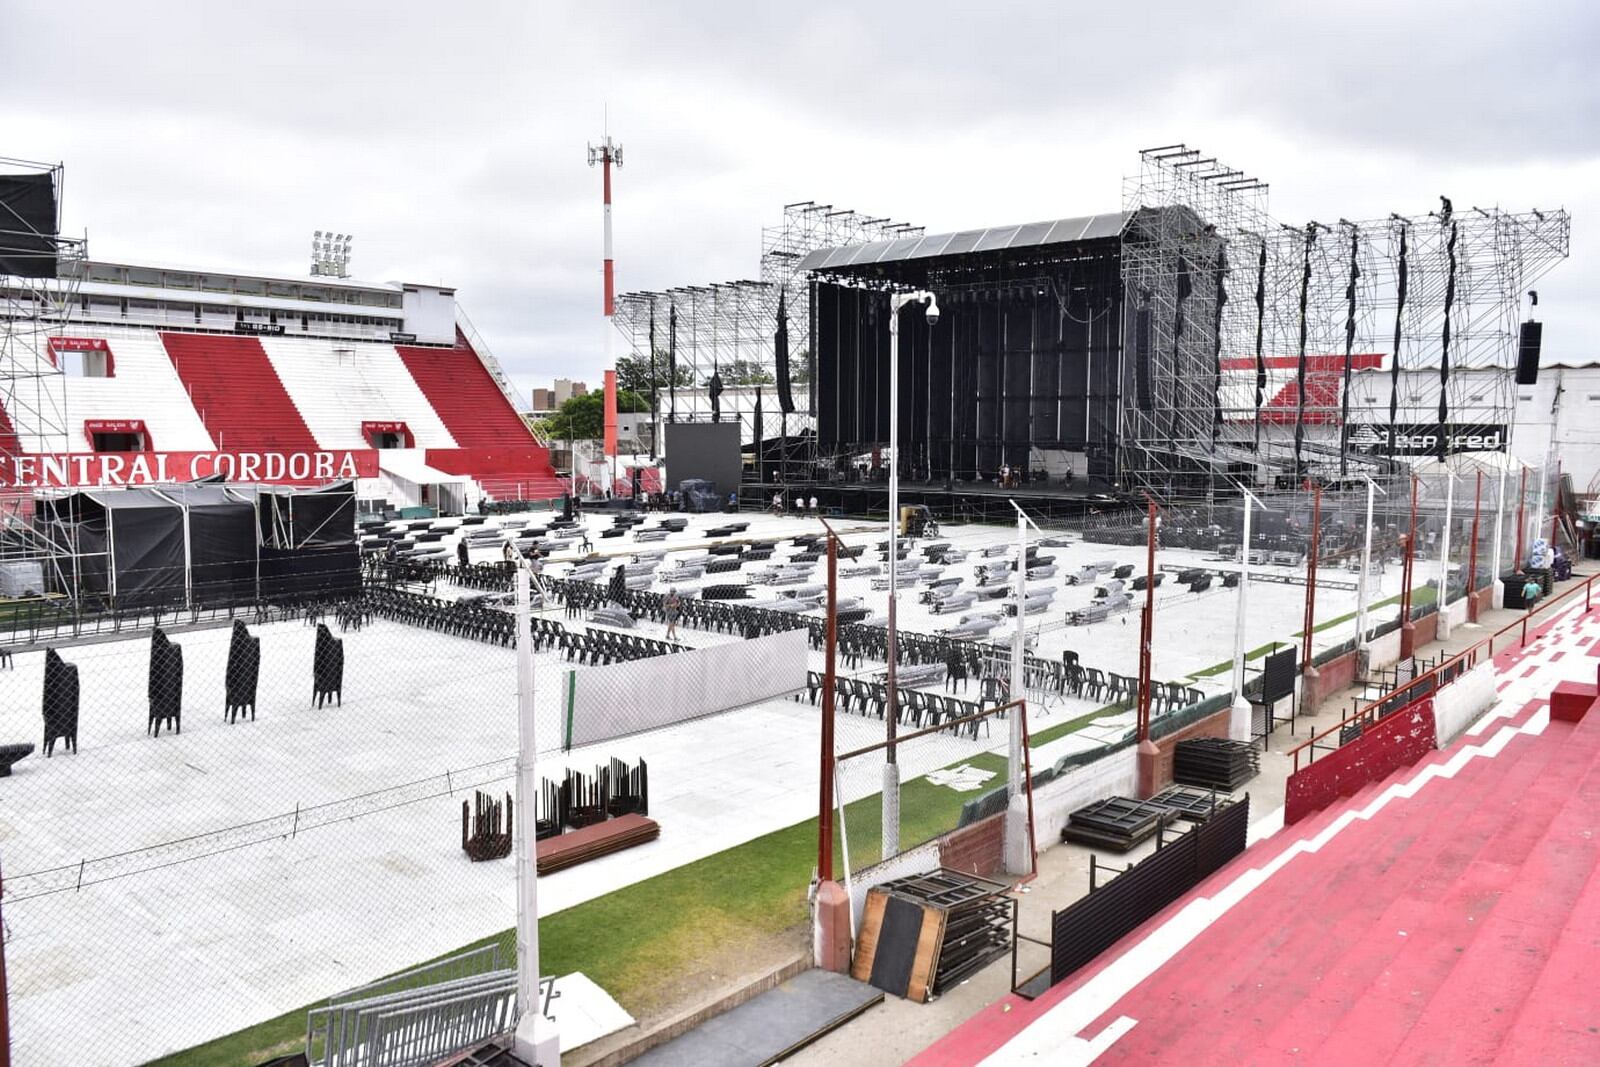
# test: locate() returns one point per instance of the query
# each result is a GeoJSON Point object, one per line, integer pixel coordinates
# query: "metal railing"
{"type": "Point", "coordinates": [1447, 670]}
{"type": "Point", "coordinates": [417, 1016]}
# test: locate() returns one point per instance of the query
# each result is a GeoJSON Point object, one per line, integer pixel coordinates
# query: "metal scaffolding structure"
{"type": "Point", "coordinates": [719, 338]}
{"type": "Point", "coordinates": [1242, 335]}
{"type": "Point", "coordinates": [33, 400]}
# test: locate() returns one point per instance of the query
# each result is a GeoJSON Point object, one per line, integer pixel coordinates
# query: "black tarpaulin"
{"type": "Point", "coordinates": [222, 543]}
{"type": "Point", "coordinates": [129, 544]}
{"type": "Point", "coordinates": [28, 225]}
{"type": "Point", "coordinates": [308, 542]}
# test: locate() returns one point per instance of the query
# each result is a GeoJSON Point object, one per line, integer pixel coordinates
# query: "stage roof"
{"type": "Point", "coordinates": [1026, 235]}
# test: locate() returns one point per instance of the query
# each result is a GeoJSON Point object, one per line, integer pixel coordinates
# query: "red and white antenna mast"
{"type": "Point", "coordinates": [606, 154]}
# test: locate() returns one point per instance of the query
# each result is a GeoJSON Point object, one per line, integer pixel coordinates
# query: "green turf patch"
{"type": "Point", "coordinates": [1062, 729]}
{"type": "Point", "coordinates": [637, 940]}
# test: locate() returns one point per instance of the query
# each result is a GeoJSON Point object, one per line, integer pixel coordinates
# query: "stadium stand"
{"type": "Point", "coordinates": [145, 387]}
{"type": "Point", "coordinates": [368, 383]}
{"type": "Point", "coordinates": [464, 395]}
{"type": "Point", "coordinates": [170, 360]}
{"type": "Point", "coordinates": [237, 393]}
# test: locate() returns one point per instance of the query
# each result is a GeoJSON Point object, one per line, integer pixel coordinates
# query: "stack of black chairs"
{"type": "Point", "coordinates": [165, 684]}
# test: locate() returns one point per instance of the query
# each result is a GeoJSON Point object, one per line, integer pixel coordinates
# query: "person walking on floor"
{"type": "Point", "coordinates": [669, 610]}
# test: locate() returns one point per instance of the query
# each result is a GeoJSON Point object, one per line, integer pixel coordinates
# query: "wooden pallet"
{"type": "Point", "coordinates": [591, 842]}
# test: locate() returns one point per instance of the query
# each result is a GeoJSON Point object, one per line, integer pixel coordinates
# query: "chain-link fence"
{"type": "Point", "coordinates": [284, 820]}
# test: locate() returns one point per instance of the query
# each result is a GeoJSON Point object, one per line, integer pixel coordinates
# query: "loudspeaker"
{"type": "Point", "coordinates": [1528, 353]}
{"type": "Point", "coordinates": [1141, 358]}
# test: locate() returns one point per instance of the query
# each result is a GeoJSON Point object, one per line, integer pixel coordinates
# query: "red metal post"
{"type": "Point", "coordinates": [5, 993]}
{"type": "Point", "coordinates": [1311, 577]}
{"type": "Point", "coordinates": [1472, 555]}
{"type": "Point", "coordinates": [1407, 628]}
{"type": "Point", "coordinates": [1146, 625]}
{"type": "Point", "coordinates": [831, 647]}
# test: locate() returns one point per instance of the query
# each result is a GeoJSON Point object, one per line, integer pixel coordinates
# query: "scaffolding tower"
{"type": "Point", "coordinates": [33, 400]}
{"type": "Point", "coordinates": [1243, 336]}
{"type": "Point", "coordinates": [726, 331]}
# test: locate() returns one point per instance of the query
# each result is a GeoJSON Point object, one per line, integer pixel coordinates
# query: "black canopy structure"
{"type": "Point", "coordinates": [206, 543]}
{"type": "Point", "coordinates": [308, 542]}
{"type": "Point", "coordinates": [128, 545]}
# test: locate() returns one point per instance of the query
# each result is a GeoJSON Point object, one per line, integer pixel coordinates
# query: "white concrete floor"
{"type": "Point", "coordinates": [144, 961]}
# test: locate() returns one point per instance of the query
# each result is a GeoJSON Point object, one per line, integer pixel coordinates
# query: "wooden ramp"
{"type": "Point", "coordinates": [770, 1027]}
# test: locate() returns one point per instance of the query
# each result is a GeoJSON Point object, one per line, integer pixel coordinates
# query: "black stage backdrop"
{"type": "Point", "coordinates": [1011, 364]}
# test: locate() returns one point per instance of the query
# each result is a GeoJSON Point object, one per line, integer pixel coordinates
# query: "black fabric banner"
{"type": "Point", "coordinates": [655, 384]}
{"type": "Point", "coordinates": [1300, 374]}
{"type": "Point", "coordinates": [1399, 320]}
{"type": "Point", "coordinates": [1216, 345]}
{"type": "Point", "coordinates": [1349, 347]}
{"type": "Point", "coordinates": [1261, 360]}
{"type": "Point", "coordinates": [714, 390]}
{"type": "Point", "coordinates": [1444, 346]}
{"type": "Point", "coordinates": [780, 350]}
{"type": "Point", "coordinates": [28, 225]}
{"type": "Point", "coordinates": [672, 363]}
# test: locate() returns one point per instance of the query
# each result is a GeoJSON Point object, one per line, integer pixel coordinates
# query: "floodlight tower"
{"type": "Point", "coordinates": [606, 153]}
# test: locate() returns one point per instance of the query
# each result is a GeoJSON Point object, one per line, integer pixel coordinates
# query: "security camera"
{"type": "Point", "coordinates": [933, 312]}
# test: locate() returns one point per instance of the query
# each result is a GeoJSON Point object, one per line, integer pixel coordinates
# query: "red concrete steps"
{"type": "Point", "coordinates": [1433, 823]}
{"type": "Point", "coordinates": [237, 393]}
{"type": "Point", "coordinates": [1278, 946]}
{"type": "Point", "coordinates": [1554, 1026]}
{"type": "Point", "coordinates": [1387, 978]}
{"type": "Point", "coordinates": [1496, 975]}
{"type": "Point", "coordinates": [459, 387]}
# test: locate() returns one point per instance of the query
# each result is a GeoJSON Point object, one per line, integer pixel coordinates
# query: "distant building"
{"type": "Point", "coordinates": [543, 400]}
{"type": "Point", "coordinates": [565, 389]}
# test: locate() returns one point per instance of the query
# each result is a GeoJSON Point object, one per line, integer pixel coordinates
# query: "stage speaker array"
{"type": "Point", "coordinates": [1141, 358]}
{"type": "Point", "coordinates": [1528, 353]}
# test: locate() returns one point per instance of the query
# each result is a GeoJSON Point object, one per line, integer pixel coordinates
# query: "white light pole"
{"type": "Point", "coordinates": [1363, 596]}
{"type": "Point", "coordinates": [891, 769]}
{"type": "Point", "coordinates": [1239, 721]}
{"type": "Point", "coordinates": [1239, 612]}
{"type": "Point", "coordinates": [536, 1042]}
{"type": "Point", "coordinates": [1017, 859]}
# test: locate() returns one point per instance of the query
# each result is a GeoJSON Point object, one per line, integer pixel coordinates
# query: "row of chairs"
{"type": "Point", "coordinates": [608, 646]}
{"type": "Point", "coordinates": [454, 617]}
{"type": "Point", "coordinates": [917, 708]}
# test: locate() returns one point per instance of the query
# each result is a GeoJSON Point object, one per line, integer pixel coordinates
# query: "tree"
{"type": "Point", "coordinates": [800, 367]}
{"type": "Point", "coordinates": [746, 372]}
{"type": "Point", "coordinates": [582, 418]}
{"type": "Point", "coordinates": [633, 372]}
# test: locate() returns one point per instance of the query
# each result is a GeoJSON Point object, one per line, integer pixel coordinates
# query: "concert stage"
{"type": "Point", "coordinates": [949, 502]}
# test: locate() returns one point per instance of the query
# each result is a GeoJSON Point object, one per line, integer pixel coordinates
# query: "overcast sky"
{"type": "Point", "coordinates": [450, 137]}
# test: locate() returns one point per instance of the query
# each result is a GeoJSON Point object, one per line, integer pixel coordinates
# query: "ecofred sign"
{"type": "Point", "coordinates": [1422, 439]}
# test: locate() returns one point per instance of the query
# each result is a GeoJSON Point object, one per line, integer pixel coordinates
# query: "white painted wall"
{"type": "Point", "coordinates": [1383, 652]}
{"type": "Point", "coordinates": [1459, 704]}
{"type": "Point", "coordinates": [1113, 775]}
{"type": "Point", "coordinates": [430, 313]}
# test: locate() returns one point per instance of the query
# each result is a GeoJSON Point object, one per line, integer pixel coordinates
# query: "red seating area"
{"type": "Point", "coordinates": [237, 393]}
{"type": "Point", "coordinates": [495, 446]}
{"type": "Point", "coordinates": [472, 406]}
{"type": "Point", "coordinates": [1457, 925]}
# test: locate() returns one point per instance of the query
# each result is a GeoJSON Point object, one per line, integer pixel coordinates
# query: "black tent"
{"type": "Point", "coordinates": [308, 542]}
{"type": "Point", "coordinates": [206, 543]}
{"type": "Point", "coordinates": [129, 545]}
{"type": "Point", "coordinates": [221, 527]}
